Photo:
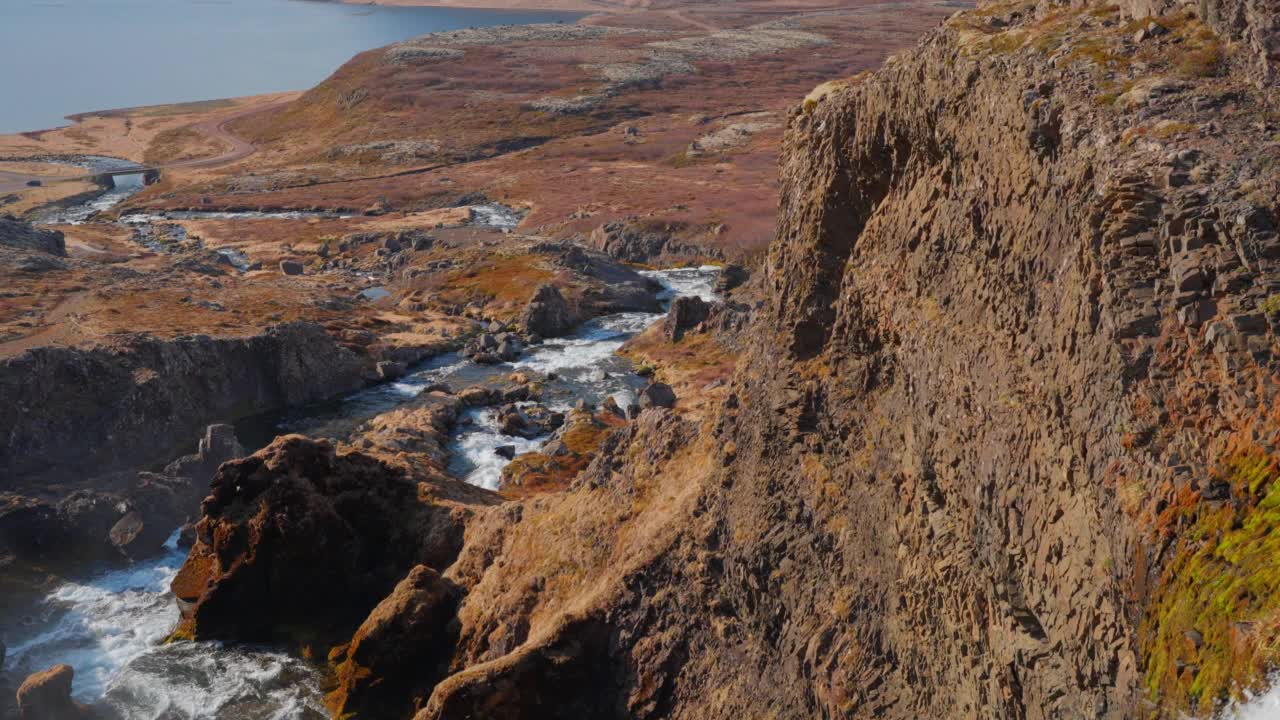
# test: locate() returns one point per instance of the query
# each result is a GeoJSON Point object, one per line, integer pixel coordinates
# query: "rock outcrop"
{"type": "Point", "coordinates": [20, 235]}
{"type": "Point", "coordinates": [312, 538]}
{"type": "Point", "coordinates": [648, 241]}
{"type": "Point", "coordinates": [686, 313]}
{"type": "Point", "coordinates": [71, 411]}
{"type": "Point", "coordinates": [613, 287]}
{"type": "Point", "coordinates": [113, 518]}
{"type": "Point", "coordinates": [46, 695]}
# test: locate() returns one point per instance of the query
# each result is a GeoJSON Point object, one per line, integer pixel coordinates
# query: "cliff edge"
{"type": "Point", "coordinates": [1003, 442]}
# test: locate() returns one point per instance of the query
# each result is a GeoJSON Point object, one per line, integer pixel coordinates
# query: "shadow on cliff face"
{"type": "Point", "coordinates": [71, 412]}
{"type": "Point", "coordinates": [575, 674]}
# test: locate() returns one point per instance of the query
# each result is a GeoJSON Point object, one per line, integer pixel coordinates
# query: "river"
{"type": "Point", "coordinates": [59, 57]}
{"type": "Point", "coordinates": [111, 627]}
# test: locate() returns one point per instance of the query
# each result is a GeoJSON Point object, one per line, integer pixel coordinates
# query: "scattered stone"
{"type": "Point", "coordinates": [657, 395]}
{"type": "Point", "coordinates": [291, 267]}
{"type": "Point", "coordinates": [610, 405]}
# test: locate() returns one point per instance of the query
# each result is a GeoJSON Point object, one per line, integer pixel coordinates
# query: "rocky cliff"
{"type": "Point", "coordinates": [1003, 441]}
{"type": "Point", "coordinates": [73, 411]}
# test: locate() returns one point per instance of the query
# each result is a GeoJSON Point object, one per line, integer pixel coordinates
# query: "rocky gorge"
{"type": "Point", "coordinates": [988, 431]}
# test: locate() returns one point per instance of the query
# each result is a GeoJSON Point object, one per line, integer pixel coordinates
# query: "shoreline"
{"type": "Point", "coordinates": [591, 7]}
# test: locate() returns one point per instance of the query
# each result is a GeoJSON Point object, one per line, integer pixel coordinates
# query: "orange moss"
{"type": "Point", "coordinates": [535, 473]}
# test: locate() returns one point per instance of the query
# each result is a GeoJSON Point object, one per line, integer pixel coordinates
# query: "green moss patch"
{"type": "Point", "coordinates": [1211, 628]}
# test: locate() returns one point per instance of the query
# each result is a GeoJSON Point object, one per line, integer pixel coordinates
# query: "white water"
{"type": "Point", "coordinates": [476, 446]}
{"type": "Point", "coordinates": [1265, 706]}
{"type": "Point", "coordinates": [586, 363]}
{"type": "Point", "coordinates": [111, 629]}
{"type": "Point", "coordinates": [495, 216]}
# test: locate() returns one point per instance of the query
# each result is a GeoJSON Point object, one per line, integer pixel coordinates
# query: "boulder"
{"type": "Point", "coordinates": [505, 451]}
{"type": "Point", "coordinates": [657, 395]}
{"type": "Point", "coordinates": [391, 244]}
{"type": "Point", "coordinates": [391, 370]}
{"type": "Point", "coordinates": [46, 695]}
{"type": "Point", "coordinates": [547, 314]}
{"type": "Point", "coordinates": [290, 267]}
{"type": "Point", "coordinates": [687, 312]}
{"type": "Point", "coordinates": [731, 277]}
{"type": "Point", "coordinates": [510, 350]}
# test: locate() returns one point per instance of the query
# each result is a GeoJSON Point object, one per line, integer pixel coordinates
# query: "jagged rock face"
{"type": "Point", "coordinates": [970, 312]}
{"type": "Point", "coordinates": [70, 411]}
{"type": "Point", "coordinates": [309, 539]}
